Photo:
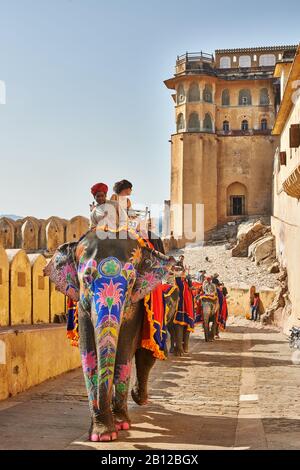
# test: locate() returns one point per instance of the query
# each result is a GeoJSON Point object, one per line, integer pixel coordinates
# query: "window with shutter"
{"type": "Point", "coordinates": [282, 158]}
{"type": "Point", "coordinates": [294, 135]}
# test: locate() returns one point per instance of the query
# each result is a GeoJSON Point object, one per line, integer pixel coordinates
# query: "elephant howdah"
{"type": "Point", "coordinates": [110, 278]}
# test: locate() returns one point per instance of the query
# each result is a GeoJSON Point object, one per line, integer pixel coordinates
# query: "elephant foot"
{"type": "Point", "coordinates": [102, 430]}
{"type": "Point", "coordinates": [122, 421]}
{"type": "Point", "coordinates": [186, 350]}
{"type": "Point", "coordinates": [140, 399]}
{"type": "Point", "coordinates": [179, 352]}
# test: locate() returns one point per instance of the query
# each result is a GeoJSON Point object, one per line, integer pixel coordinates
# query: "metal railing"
{"type": "Point", "coordinates": [195, 57]}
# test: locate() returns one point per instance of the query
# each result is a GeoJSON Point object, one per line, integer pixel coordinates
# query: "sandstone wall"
{"type": "Point", "coordinates": [38, 235]}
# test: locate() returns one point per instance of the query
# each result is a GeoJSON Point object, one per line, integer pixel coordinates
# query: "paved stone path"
{"type": "Point", "coordinates": [241, 392]}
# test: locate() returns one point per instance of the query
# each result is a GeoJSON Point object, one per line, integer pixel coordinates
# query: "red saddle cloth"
{"type": "Point", "coordinates": [185, 312]}
{"type": "Point", "coordinates": [154, 333]}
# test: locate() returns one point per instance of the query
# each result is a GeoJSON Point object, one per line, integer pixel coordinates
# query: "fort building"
{"type": "Point", "coordinates": [286, 180]}
{"type": "Point", "coordinates": [223, 148]}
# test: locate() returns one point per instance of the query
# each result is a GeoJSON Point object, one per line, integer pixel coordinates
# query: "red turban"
{"type": "Point", "coordinates": [99, 187]}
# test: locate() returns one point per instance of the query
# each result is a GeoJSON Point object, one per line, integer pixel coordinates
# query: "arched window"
{"type": "Point", "coordinates": [207, 123]}
{"type": "Point", "coordinates": [194, 123]}
{"type": "Point", "coordinates": [225, 63]}
{"type": "Point", "coordinates": [180, 123]}
{"type": "Point", "coordinates": [264, 124]}
{"type": "Point", "coordinates": [225, 98]}
{"type": "Point", "coordinates": [236, 199]}
{"type": "Point", "coordinates": [245, 126]}
{"type": "Point", "coordinates": [194, 92]}
{"type": "Point", "coordinates": [264, 96]}
{"type": "Point", "coordinates": [207, 94]}
{"type": "Point", "coordinates": [226, 127]}
{"type": "Point", "coordinates": [180, 95]}
{"type": "Point", "coordinates": [244, 61]}
{"type": "Point", "coordinates": [245, 97]}
{"type": "Point", "coordinates": [267, 60]}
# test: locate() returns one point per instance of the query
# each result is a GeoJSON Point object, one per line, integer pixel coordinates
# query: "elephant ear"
{"type": "Point", "coordinates": [62, 270]}
{"type": "Point", "coordinates": [150, 271]}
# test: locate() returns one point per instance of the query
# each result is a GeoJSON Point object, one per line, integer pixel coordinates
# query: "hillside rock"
{"type": "Point", "coordinates": [262, 249]}
{"type": "Point", "coordinates": [248, 233]}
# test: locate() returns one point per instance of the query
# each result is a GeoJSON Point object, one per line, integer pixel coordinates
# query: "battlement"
{"type": "Point", "coordinates": [40, 235]}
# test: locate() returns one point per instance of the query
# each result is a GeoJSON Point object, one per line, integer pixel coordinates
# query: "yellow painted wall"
{"type": "Point", "coordinates": [57, 302]}
{"type": "Point", "coordinates": [33, 356]}
{"type": "Point", "coordinates": [76, 227]}
{"type": "Point", "coordinates": [40, 289]}
{"type": "Point", "coordinates": [4, 288]}
{"type": "Point", "coordinates": [20, 287]}
{"type": "Point", "coordinates": [286, 217]}
{"type": "Point", "coordinates": [239, 300]}
{"type": "Point", "coordinates": [247, 160]}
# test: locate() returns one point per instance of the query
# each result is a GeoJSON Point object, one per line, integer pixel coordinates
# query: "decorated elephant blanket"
{"type": "Point", "coordinates": [185, 313]}
{"type": "Point", "coordinates": [223, 310]}
{"type": "Point", "coordinates": [154, 332]}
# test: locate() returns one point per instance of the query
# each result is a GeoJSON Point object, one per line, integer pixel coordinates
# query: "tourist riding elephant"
{"type": "Point", "coordinates": [108, 277]}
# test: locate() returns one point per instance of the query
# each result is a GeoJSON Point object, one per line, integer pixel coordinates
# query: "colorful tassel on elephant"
{"type": "Point", "coordinates": [72, 322]}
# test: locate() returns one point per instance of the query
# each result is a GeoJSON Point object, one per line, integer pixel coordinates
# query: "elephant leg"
{"type": "Point", "coordinates": [206, 321]}
{"type": "Point", "coordinates": [186, 338]}
{"type": "Point", "coordinates": [121, 382]}
{"type": "Point", "coordinates": [88, 353]}
{"type": "Point", "coordinates": [144, 361]}
{"type": "Point", "coordinates": [102, 426]}
{"type": "Point", "coordinates": [216, 335]}
{"type": "Point", "coordinates": [171, 330]}
{"type": "Point", "coordinates": [179, 340]}
{"type": "Point", "coordinates": [127, 345]}
{"type": "Point", "coordinates": [206, 330]}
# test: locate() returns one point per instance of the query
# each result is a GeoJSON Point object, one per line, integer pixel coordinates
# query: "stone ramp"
{"type": "Point", "coordinates": [241, 392]}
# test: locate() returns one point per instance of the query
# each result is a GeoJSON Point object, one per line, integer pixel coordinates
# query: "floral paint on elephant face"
{"type": "Point", "coordinates": [150, 272]}
{"type": "Point", "coordinates": [62, 271]}
{"type": "Point", "coordinates": [109, 294]}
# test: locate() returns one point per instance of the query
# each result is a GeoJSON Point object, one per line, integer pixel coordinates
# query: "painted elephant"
{"type": "Point", "coordinates": [209, 311]}
{"type": "Point", "coordinates": [183, 322]}
{"type": "Point", "coordinates": [108, 277]}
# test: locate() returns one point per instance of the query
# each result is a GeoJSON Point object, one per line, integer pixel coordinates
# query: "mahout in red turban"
{"type": "Point", "coordinates": [99, 187]}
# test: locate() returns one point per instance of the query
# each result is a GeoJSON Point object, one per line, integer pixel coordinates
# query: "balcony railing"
{"type": "Point", "coordinates": [292, 184]}
{"type": "Point", "coordinates": [195, 56]}
{"type": "Point", "coordinates": [238, 132]}
{"type": "Point", "coordinates": [195, 62]}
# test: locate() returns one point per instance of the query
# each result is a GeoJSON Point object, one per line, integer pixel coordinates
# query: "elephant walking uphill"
{"type": "Point", "coordinates": [108, 278]}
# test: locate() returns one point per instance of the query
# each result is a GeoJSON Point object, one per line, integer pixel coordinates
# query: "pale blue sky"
{"type": "Point", "coordinates": [85, 99]}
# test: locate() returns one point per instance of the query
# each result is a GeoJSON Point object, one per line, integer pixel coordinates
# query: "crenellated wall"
{"type": "Point", "coordinates": [31, 340]}
{"type": "Point", "coordinates": [39, 235]}
{"type": "Point", "coordinates": [27, 297]}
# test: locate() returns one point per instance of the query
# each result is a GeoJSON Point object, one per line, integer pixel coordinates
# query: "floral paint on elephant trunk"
{"type": "Point", "coordinates": [110, 290]}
